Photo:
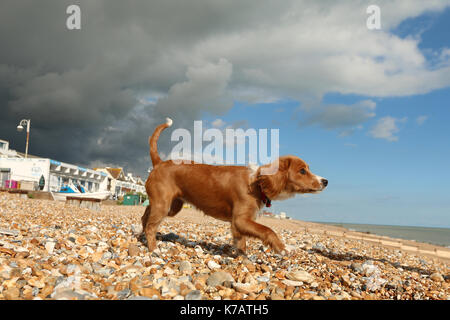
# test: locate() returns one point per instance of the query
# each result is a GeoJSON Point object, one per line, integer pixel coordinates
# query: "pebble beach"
{"type": "Point", "coordinates": [51, 250]}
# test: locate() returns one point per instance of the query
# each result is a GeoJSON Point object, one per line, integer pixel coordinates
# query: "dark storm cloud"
{"type": "Point", "coordinates": [81, 88]}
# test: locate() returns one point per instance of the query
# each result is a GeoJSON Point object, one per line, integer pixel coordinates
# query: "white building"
{"type": "Point", "coordinates": [18, 171]}
{"type": "Point", "coordinates": [119, 183]}
{"type": "Point", "coordinates": [55, 173]}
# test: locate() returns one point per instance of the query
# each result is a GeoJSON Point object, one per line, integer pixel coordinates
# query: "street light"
{"type": "Point", "coordinates": [20, 129]}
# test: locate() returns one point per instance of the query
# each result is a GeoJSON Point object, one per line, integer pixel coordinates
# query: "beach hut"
{"type": "Point", "coordinates": [131, 200]}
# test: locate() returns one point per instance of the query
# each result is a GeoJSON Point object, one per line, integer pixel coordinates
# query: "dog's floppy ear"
{"type": "Point", "coordinates": [273, 184]}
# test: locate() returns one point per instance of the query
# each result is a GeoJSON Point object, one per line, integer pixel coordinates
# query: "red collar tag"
{"type": "Point", "coordinates": [266, 200]}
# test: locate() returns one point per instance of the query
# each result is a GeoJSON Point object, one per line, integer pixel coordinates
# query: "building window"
{"type": "Point", "coordinates": [4, 176]}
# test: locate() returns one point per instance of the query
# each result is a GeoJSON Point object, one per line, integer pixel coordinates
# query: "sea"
{"type": "Point", "coordinates": [436, 236]}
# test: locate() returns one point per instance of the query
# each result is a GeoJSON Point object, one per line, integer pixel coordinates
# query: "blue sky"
{"type": "Point", "coordinates": [372, 180]}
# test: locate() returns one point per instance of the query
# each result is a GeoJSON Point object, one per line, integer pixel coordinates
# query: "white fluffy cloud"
{"type": "Point", "coordinates": [326, 47]}
{"type": "Point", "coordinates": [218, 123]}
{"type": "Point", "coordinates": [386, 128]}
{"type": "Point", "coordinates": [420, 120]}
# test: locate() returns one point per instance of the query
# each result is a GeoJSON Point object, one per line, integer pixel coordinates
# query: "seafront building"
{"type": "Point", "coordinates": [18, 172]}
{"type": "Point", "coordinates": [28, 171]}
{"type": "Point", "coordinates": [119, 183]}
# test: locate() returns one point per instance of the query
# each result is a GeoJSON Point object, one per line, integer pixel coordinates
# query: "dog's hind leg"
{"type": "Point", "coordinates": [144, 218]}
{"type": "Point", "coordinates": [159, 210]}
{"type": "Point", "coordinates": [176, 207]}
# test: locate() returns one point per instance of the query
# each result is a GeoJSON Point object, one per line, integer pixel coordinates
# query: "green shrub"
{"type": "Point", "coordinates": [144, 196]}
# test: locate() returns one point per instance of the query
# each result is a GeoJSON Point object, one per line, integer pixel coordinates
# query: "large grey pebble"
{"type": "Point", "coordinates": [218, 278]}
{"type": "Point", "coordinates": [194, 295]}
{"type": "Point", "coordinates": [185, 266]}
{"type": "Point", "coordinates": [357, 267]}
{"type": "Point", "coordinates": [124, 294]}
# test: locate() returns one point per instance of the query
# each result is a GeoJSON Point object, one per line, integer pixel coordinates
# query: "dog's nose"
{"type": "Point", "coordinates": [324, 182]}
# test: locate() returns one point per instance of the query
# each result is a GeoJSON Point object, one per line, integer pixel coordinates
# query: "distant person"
{"type": "Point", "coordinates": [41, 183]}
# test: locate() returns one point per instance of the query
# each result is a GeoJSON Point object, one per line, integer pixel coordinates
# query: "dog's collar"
{"type": "Point", "coordinates": [265, 199]}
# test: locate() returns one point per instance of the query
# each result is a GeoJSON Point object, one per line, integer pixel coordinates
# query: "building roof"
{"type": "Point", "coordinates": [5, 151]}
{"type": "Point", "coordinates": [22, 155]}
{"type": "Point", "coordinates": [140, 181]}
{"type": "Point", "coordinates": [119, 174]}
{"type": "Point", "coordinates": [116, 173]}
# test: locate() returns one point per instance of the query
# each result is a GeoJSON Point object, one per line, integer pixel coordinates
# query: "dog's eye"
{"type": "Point", "coordinates": [303, 171]}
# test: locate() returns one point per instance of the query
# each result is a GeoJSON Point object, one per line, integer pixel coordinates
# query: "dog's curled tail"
{"type": "Point", "coordinates": [153, 141]}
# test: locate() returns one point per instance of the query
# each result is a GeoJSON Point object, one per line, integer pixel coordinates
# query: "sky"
{"type": "Point", "coordinates": [367, 109]}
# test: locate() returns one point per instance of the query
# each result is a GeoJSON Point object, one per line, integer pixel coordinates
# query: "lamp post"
{"type": "Point", "coordinates": [20, 128]}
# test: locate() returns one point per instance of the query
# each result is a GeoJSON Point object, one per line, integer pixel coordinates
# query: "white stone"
{"type": "Point", "coordinates": [49, 246]}
{"type": "Point", "coordinates": [292, 283]}
{"type": "Point", "coordinates": [300, 275]}
{"type": "Point", "coordinates": [213, 265]}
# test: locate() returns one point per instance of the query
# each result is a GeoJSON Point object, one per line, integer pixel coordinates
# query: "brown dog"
{"type": "Point", "coordinates": [229, 193]}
